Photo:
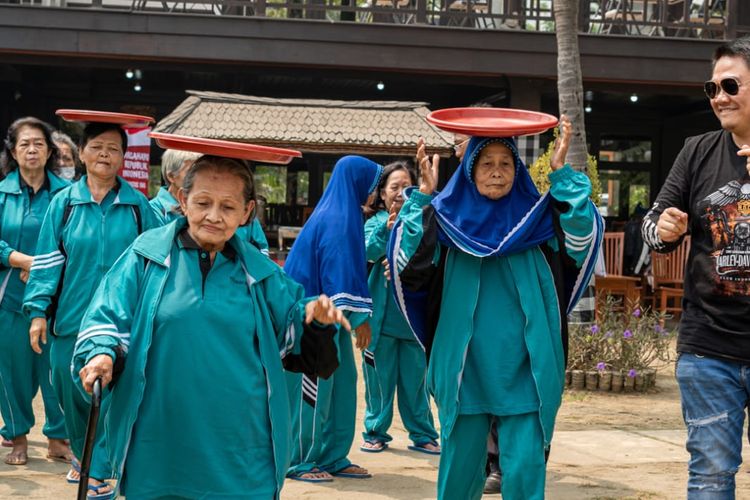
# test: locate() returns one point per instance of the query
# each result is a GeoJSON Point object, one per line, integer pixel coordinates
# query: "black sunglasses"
{"type": "Point", "coordinates": [730, 86]}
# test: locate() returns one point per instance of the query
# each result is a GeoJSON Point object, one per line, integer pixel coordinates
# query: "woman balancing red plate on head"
{"type": "Point", "coordinates": [491, 122]}
{"type": "Point", "coordinates": [231, 149]}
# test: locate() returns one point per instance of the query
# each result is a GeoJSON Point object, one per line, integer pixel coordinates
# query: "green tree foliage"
{"type": "Point", "coordinates": [540, 170]}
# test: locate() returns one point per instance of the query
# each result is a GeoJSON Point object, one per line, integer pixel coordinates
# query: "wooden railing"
{"type": "Point", "coordinates": [715, 19]}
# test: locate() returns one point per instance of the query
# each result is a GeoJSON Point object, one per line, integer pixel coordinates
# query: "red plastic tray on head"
{"type": "Point", "coordinates": [491, 122]}
{"type": "Point", "coordinates": [229, 149]}
{"type": "Point", "coordinates": [85, 115]}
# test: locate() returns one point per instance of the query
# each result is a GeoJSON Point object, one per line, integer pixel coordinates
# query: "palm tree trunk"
{"type": "Point", "coordinates": [569, 81]}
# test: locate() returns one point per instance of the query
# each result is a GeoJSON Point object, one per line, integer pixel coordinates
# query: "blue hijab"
{"type": "Point", "coordinates": [483, 227]}
{"type": "Point", "coordinates": [329, 253]}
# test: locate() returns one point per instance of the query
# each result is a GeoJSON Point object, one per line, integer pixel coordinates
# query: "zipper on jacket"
{"type": "Point", "coordinates": [468, 341]}
{"type": "Point", "coordinates": [142, 384]}
{"type": "Point", "coordinates": [531, 361]}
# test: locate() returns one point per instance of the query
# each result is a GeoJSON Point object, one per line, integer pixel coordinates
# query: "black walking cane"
{"type": "Point", "coordinates": [88, 445]}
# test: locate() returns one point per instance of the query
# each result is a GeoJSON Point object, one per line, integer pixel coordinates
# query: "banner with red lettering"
{"type": "Point", "coordinates": [137, 158]}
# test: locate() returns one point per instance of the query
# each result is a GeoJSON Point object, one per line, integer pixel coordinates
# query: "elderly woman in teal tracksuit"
{"type": "Point", "coordinates": [394, 359]}
{"type": "Point", "coordinates": [329, 257]}
{"type": "Point", "coordinates": [485, 272]}
{"type": "Point", "coordinates": [201, 320]}
{"type": "Point", "coordinates": [87, 226]}
{"type": "Point", "coordinates": [174, 164]}
{"type": "Point", "coordinates": [25, 194]}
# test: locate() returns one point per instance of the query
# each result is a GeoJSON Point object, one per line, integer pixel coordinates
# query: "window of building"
{"type": "Point", "coordinates": [624, 149]}
{"type": "Point", "coordinates": [303, 188]}
{"type": "Point", "coordinates": [271, 182]}
{"type": "Point", "coordinates": [624, 191]}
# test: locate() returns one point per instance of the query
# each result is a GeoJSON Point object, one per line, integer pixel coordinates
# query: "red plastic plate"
{"type": "Point", "coordinates": [229, 149]}
{"type": "Point", "coordinates": [491, 122]}
{"type": "Point", "coordinates": [84, 115]}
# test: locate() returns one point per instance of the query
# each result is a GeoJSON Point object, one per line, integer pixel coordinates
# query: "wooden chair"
{"type": "Point", "coordinates": [668, 270]}
{"type": "Point", "coordinates": [615, 283]}
{"type": "Point", "coordinates": [287, 232]}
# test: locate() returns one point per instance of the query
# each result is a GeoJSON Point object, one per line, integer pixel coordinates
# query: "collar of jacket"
{"type": "Point", "coordinates": [156, 245]}
{"type": "Point", "coordinates": [126, 194]}
{"type": "Point", "coordinates": [12, 183]}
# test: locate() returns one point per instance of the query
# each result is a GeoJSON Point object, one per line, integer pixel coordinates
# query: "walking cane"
{"type": "Point", "coordinates": [88, 445]}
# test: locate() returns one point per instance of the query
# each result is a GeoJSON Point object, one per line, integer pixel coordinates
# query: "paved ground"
{"type": "Point", "coordinates": [606, 447]}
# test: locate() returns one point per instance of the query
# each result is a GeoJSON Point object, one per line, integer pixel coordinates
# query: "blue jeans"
{"type": "Point", "coordinates": [715, 395]}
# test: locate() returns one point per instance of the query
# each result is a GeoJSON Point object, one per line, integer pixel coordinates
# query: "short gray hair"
{"type": "Point", "coordinates": [64, 138]}
{"type": "Point", "coordinates": [172, 161]}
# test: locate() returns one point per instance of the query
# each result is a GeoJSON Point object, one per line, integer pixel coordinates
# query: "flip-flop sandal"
{"type": "Point", "coordinates": [7, 443]}
{"type": "Point", "coordinates": [383, 447]}
{"type": "Point", "coordinates": [421, 448]}
{"type": "Point", "coordinates": [352, 475]}
{"type": "Point", "coordinates": [21, 459]}
{"type": "Point", "coordinates": [74, 466]}
{"type": "Point", "coordinates": [297, 476]}
{"type": "Point", "coordinates": [59, 458]}
{"type": "Point", "coordinates": [100, 496]}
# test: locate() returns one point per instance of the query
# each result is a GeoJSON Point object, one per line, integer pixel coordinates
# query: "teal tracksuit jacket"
{"type": "Point", "coordinates": [121, 320]}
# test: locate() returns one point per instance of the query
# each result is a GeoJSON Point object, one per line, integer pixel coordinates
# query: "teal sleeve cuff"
{"type": "Point", "coordinates": [420, 198]}
{"type": "Point", "coordinates": [5, 256]}
{"type": "Point", "coordinates": [566, 172]}
{"type": "Point", "coordinates": [33, 314]}
{"type": "Point", "coordinates": [98, 351]}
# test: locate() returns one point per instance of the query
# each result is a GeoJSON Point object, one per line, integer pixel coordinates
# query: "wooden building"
{"type": "Point", "coordinates": [643, 62]}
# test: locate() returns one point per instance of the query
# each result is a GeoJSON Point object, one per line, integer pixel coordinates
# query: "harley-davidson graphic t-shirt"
{"type": "Point", "coordinates": [710, 182]}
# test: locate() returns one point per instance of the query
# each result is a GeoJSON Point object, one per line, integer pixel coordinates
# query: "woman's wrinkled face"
{"type": "Point", "coordinates": [103, 155]}
{"type": "Point", "coordinates": [31, 151]}
{"type": "Point", "coordinates": [494, 171]}
{"type": "Point", "coordinates": [65, 159]}
{"type": "Point", "coordinates": [394, 187]}
{"type": "Point", "coordinates": [215, 208]}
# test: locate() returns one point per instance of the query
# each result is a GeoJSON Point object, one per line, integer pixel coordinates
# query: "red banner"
{"type": "Point", "coordinates": [136, 165]}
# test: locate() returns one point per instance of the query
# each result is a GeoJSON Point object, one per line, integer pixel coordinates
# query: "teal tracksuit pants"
{"type": "Point", "coordinates": [22, 374]}
{"type": "Point", "coordinates": [76, 408]}
{"type": "Point", "coordinates": [397, 365]}
{"type": "Point", "coordinates": [464, 454]}
{"type": "Point", "coordinates": [323, 414]}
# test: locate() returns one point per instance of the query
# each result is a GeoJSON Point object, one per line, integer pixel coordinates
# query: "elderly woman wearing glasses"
{"type": "Point", "coordinates": [28, 161]}
{"type": "Point", "coordinates": [200, 320]}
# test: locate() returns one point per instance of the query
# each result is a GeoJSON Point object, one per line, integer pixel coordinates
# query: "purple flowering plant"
{"type": "Point", "coordinates": [627, 341]}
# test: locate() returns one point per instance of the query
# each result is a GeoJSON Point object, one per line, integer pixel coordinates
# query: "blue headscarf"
{"type": "Point", "coordinates": [329, 254]}
{"type": "Point", "coordinates": [483, 227]}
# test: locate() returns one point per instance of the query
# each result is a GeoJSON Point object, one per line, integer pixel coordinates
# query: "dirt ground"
{"type": "Point", "coordinates": [606, 446]}
{"type": "Point", "coordinates": [656, 410]}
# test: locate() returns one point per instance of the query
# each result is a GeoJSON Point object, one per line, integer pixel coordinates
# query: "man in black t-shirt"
{"type": "Point", "coordinates": [707, 192]}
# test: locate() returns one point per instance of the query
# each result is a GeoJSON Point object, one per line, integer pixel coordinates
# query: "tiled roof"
{"type": "Point", "coordinates": [367, 127]}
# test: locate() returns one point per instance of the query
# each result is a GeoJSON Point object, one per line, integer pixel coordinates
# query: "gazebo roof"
{"type": "Point", "coordinates": [310, 125]}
